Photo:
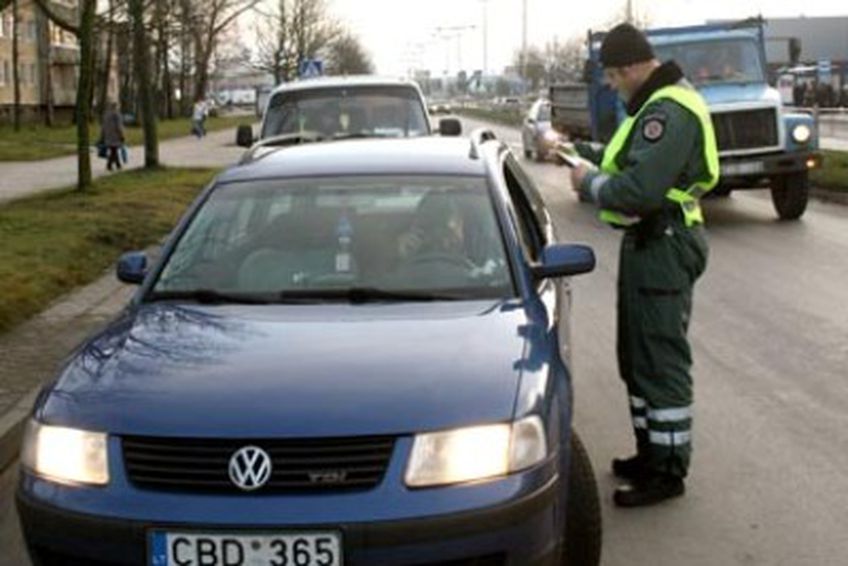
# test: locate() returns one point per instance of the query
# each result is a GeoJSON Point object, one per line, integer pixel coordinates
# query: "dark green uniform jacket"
{"type": "Point", "coordinates": [661, 258]}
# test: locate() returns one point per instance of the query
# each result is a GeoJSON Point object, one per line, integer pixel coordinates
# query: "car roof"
{"type": "Point", "coordinates": [347, 81]}
{"type": "Point", "coordinates": [429, 155]}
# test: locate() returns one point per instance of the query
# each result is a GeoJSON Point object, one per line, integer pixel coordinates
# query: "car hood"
{"type": "Point", "coordinates": [740, 93]}
{"type": "Point", "coordinates": [294, 370]}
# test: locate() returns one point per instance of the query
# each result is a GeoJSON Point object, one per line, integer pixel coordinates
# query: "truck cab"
{"type": "Point", "coordinates": [761, 144]}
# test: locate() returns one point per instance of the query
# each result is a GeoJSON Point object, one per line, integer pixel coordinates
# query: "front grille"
{"type": "Point", "coordinates": [298, 465]}
{"type": "Point", "coordinates": [746, 129]}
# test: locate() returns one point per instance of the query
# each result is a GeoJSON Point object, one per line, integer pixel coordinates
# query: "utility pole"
{"type": "Point", "coordinates": [485, 35]}
{"type": "Point", "coordinates": [523, 37]}
{"type": "Point", "coordinates": [629, 13]}
{"type": "Point", "coordinates": [448, 33]}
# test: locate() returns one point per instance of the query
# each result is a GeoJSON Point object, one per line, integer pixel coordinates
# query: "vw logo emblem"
{"type": "Point", "coordinates": [250, 468]}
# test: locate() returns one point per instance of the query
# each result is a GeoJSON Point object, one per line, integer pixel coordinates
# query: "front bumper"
{"type": "Point", "coordinates": [522, 531]}
{"type": "Point", "coordinates": [744, 170]}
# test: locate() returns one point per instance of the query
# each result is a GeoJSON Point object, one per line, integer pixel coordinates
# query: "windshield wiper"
{"type": "Point", "coordinates": [288, 139]}
{"type": "Point", "coordinates": [210, 296]}
{"type": "Point", "coordinates": [361, 135]}
{"type": "Point", "coordinates": [366, 295]}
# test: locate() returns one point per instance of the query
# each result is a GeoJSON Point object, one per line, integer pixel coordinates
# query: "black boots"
{"type": "Point", "coordinates": [630, 469]}
{"type": "Point", "coordinates": [649, 491]}
{"type": "Point", "coordinates": [647, 487]}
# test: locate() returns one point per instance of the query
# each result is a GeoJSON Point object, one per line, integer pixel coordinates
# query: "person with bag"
{"type": "Point", "coordinates": [111, 136]}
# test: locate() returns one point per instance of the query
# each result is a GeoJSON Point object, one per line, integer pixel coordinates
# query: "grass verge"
{"type": "Point", "coordinates": [833, 174]}
{"type": "Point", "coordinates": [60, 240]}
{"type": "Point", "coordinates": [34, 142]}
{"type": "Point", "coordinates": [505, 116]}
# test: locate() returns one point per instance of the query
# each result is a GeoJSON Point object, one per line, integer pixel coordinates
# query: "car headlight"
{"type": "Point", "coordinates": [801, 133]}
{"type": "Point", "coordinates": [475, 453]}
{"type": "Point", "coordinates": [65, 455]}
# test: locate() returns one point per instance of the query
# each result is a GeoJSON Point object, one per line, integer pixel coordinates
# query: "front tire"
{"type": "Point", "coordinates": [790, 194]}
{"type": "Point", "coordinates": [583, 528]}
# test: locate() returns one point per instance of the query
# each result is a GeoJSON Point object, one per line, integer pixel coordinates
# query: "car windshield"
{"type": "Point", "coordinates": [710, 62]}
{"type": "Point", "coordinates": [320, 238]}
{"type": "Point", "coordinates": [347, 112]}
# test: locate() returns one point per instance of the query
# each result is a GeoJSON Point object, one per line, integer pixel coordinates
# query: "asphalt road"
{"type": "Point", "coordinates": [770, 339]}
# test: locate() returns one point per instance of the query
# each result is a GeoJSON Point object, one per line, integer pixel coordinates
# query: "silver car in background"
{"type": "Point", "coordinates": [537, 135]}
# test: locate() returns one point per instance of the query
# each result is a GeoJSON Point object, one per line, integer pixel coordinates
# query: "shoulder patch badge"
{"type": "Point", "coordinates": [653, 127]}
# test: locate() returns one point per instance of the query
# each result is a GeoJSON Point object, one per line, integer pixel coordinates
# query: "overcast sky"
{"type": "Point", "coordinates": [401, 34]}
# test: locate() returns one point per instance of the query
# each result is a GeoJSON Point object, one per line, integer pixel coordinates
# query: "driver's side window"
{"type": "Point", "coordinates": [530, 233]}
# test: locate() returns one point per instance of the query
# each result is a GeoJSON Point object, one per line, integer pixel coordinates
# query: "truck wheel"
{"type": "Point", "coordinates": [789, 194]}
{"type": "Point", "coordinates": [583, 532]}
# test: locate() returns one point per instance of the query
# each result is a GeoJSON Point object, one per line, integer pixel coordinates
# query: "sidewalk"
{"type": "Point", "coordinates": [19, 179]}
{"type": "Point", "coordinates": [33, 351]}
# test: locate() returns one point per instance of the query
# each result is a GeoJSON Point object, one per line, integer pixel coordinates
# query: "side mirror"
{"type": "Point", "coordinates": [244, 135]}
{"type": "Point", "coordinates": [450, 127]}
{"type": "Point", "coordinates": [561, 260]}
{"type": "Point", "coordinates": [132, 267]}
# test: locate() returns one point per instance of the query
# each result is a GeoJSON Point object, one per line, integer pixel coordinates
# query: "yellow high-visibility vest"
{"type": "Point", "coordinates": [688, 198]}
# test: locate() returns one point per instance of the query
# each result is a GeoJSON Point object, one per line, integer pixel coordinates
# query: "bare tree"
{"type": "Point", "coordinates": [346, 56]}
{"type": "Point", "coordinates": [206, 20]}
{"type": "Point", "coordinates": [533, 68]}
{"type": "Point", "coordinates": [84, 90]}
{"type": "Point", "coordinates": [275, 52]}
{"type": "Point", "coordinates": [292, 31]}
{"type": "Point", "coordinates": [141, 60]}
{"type": "Point", "coordinates": [564, 61]}
{"type": "Point", "coordinates": [84, 31]}
{"type": "Point", "coordinates": [106, 67]}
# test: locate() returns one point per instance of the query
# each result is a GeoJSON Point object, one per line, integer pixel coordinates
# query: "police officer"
{"type": "Point", "coordinates": [660, 161]}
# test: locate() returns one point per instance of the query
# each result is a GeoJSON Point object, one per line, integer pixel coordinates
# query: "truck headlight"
{"type": "Point", "coordinates": [475, 453]}
{"type": "Point", "coordinates": [801, 133]}
{"type": "Point", "coordinates": [65, 455]}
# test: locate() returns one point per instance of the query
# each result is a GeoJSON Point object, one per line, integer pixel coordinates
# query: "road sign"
{"type": "Point", "coordinates": [310, 68]}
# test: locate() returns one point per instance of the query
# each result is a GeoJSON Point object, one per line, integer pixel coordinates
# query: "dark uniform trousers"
{"type": "Point", "coordinates": [660, 261]}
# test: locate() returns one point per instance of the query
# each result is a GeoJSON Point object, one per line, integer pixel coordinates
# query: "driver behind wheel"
{"type": "Point", "coordinates": [438, 228]}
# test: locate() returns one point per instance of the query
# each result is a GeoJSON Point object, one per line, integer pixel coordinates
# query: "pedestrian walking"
{"type": "Point", "coordinates": [112, 135]}
{"type": "Point", "coordinates": [661, 160]}
{"type": "Point", "coordinates": [198, 118]}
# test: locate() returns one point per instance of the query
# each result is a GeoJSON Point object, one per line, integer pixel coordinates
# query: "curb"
{"type": "Point", "coordinates": [12, 428]}
{"type": "Point", "coordinates": [837, 197]}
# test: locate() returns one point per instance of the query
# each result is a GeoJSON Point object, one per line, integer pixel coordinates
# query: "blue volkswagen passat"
{"type": "Point", "coordinates": [348, 354]}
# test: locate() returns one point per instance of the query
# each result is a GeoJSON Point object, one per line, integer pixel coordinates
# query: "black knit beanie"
{"type": "Point", "coordinates": [625, 45]}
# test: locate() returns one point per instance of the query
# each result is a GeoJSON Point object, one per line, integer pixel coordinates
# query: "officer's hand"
{"type": "Point", "coordinates": [577, 176]}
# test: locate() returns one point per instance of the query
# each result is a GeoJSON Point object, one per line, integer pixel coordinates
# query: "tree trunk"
{"type": "Point", "coordinates": [185, 51]}
{"type": "Point", "coordinates": [84, 88]}
{"type": "Point", "coordinates": [142, 73]}
{"type": "Point", "coordinates": [107, 64]}
{"type": "Point", "coordinates": [201, 71]}
{"type": "Point", "coordinates": [16, 76]}
{"type": "Point", "coordinates": [45, 67]}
